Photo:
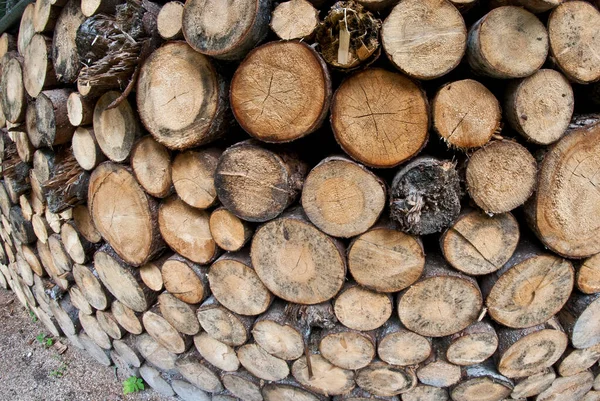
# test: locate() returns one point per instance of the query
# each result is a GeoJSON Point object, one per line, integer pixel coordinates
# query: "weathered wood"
{"type": "Point", "coordinates": [278, 334]}
{"type": "Point", "coordinates": [162, 331]}
{"type": "Point", "coordinates": [588, 275]}
{"type": "Point", "coordinates": [382, 379]}
{"type": "Point", "coordinates": [229, 231]}
{"type": "Point", "coordinates": [198, 372]}
{"type": "Point", "coordinates": [288, 390]}
{"type": "Point", "coordinates": [155, 353]}
{"type": "Point", "coordinates": [473, 345]}
{"type": "Point", "coordinates": [193, 176]}
{"type": "Point", "coordinates": [26, 28]}
{"type": "Point", "coordinates": [222, 324]}
{"type": "Point", "coordinates": [38, 71]}
{"type": "Point", "coordinates": [180, 315]}
{"type": "Point", "coordinates": [362, 309]}
{"type": "Point", "coordinates": [568, 388]}
{"type": "Point", "coordinates": [128, 351]}
{"type": "Point", "coordinates": [579, 319]}
{"type": "Point", "coordinates": [534, 384]}
{"type": "Point", "coordinates": [127, 317]}
{"type": "Point", "coordinates": [372, 128]}
{"type": "Point", "coordinates": [64, 49]}
{"type": "Point", "coordinates": [86, 278]}
{"type": "Point", "coordinates": [426, 393]}
{"type": "Point", "coordinates": [189, 392]}
{"type": "Point", "coordinates": [85, 225]}
{"type": "Point", "coordinates": [66, 315]}
{"type": "Point", "coordinates": [262, 364]}
{"type": "Point", "coordinates": [93, 329]}
{"type": "Point", "coordinates": [80, 110]}
{"type": "Point", "coordinates": [102, 356]}
{"type": "Point", "coordinates": [347, 348]}
{"type": "Point", "coordinates": [481, 379]}
{"type": "Point", "coordinates": [325, 379]}
{"type": "Point", "coordinates": [52, 121]}
{"type": "Point", "coordinates": [151, 164]}
{"type": "Point", "coordinates": [154, 379]}
{"type": "Point", "coordinates": [436, 370]}
{"type": "Point", "coordinates": [13, 91]}
{"type": "Point", "coordinates": [575, 361]}
{"type": "Point", "coordinates": [79, 301]}
{"type": "Point", "coordinates": [295, 19]}
{"type": "Point", "coordinates": [242, 384]}
{"type": "Point", "coordinates": [219, 354]}
{"type": "Point", "coordinates": [21, 228]}
{"type": "Point", "coordinates": [397, 345]}
{"type": "Point", "coordinates": [170, 20]}
{"type": "Point", "coordinates": [186, 280]}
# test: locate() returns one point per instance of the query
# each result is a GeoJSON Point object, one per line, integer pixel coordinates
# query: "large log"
{"type": "Point", "coordinates": [64, 49]}
{"type": "Point", "coordinates": [38, 72]}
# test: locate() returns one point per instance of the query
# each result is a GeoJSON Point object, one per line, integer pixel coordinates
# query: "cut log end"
{"type": "Point", "coordinates": [295, 19]}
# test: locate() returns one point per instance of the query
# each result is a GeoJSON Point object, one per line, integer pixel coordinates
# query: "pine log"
{"type": "Point", "coordinates": [436, 370]}
{"type": "Point", "coordinates": [122, 280]}
{"type": "Point", "coordinates": [93, 329]}
{"type": "Point", "coordinates": [47, 261]}
{"type": "Point", "coordinates": [384, 259]}
{"type": "Point", "coordinates": [53, 220]}
{"type": "Point", "coordinates": [154, 379]}
{"type": "Point", "coordinates": [207, 26]}
{"type": "Point", "coordinates": [575, 361]}
{"type": "Point", "coordinates": [574, 44]}
{"type": "Point", "coordinates": [189, 392]}
{"type": "Point", "coordinates": [185, 229]}
{"type": "Point", "coordinates": [151, 164]}
{"type": "Point", "coordinates": [198, 372]}
{"type": "Point", "coordinates": [579, 319]}
{"type": "Point", "coordinates": [86, 150]}
{"type": "Point", "coordinates": [122, 369]}
{"type": "Point", "coordinates": [278, 334]}
{"type": "Point", "coordinates": [162, 331]}
{"type": "Point", "coordinates": [242, 384]}
{"type": "Point", "coordinates": [262, 364]}
{"type": "Point", "coordinates": [229, 231]}
{"type": "Point", "coordinates": [115, 129]}
{"type": "Point", "coordinates": [288, 390]}
{"type": "Point", "coordinates": [64, 49]}
{"type": "Point", "coordinates": [591, 396]}
{"type": "Point", "coordinates": [515, 357]}
{"type": "Point", "coordinates": [540, 107]}
{"type": "Point", "coordinates": [398, 346]}
{"type": "Point", "coordinates": [80, 110]}
{"type": "Point", "coordinates": [177, 81]}
{"type": "Point", "coordinates": [13, 91]}
{"type": "Point", "coordinates": [441, 292]}
{"type": "Point", "coordinates": [257, 184]}
{"type": "Point", "coordinates": [16, 178]}
{"type": "Point", "coordinates": [79, 301]}
{"type": "Point", "coordinates": [45, 15]}
{"type": "Point", "coordinates": [127, 318]}
{"type": "Point", "coordinates": [26, 207]}
{"type": "Point", "coordinates": [568, 388]}
{"type": "Point", "coordinates": [529, 289]}
{"type": "Point", "coordinates": [93, 7]}
{"type": "Point", "coordinates": [342, 198]}
{"type": "Point", "coordinates": [85, 225]}
{"type": "Point", "coordinates": [151, 272]}
{"type": "Point", "coordinates": [79, 249]}
{"type": "Point", "coordinates": [155, 353]}
{"type": "Point", "coordinates": [295, 19]}
{"type": "Point", "coordinates": [100, 355]}
{"type": "Point", "coordinates": [501, 176]}
{"type": "Point", "coordinates": [193, 176]}
{"type": "Point", "coordinates": [466, 114]}
{"type": "Point", "coordinates": [128, 351]}
{"type": "Point", "coordinates": [235, 284]}
{"type": "Point", "coordinates": [424, 39]}
{"type": "Point", "coordinates": [534, 384]}
{"type": "Point", "coordinates": [564, 210]}
{"type": "Point", "coordinates": [325, 379]}
{"type": "Point", "coordinates": [270, 106]}
{"type": "Point", "coordinates": [296, 261]}
{"type": "Point", "coordinates": [186, 280]}
{"type": "Point", "coordinates": [362, 309]}
{"type": "Point", "coordinates": [62, 260]}
{"type": "Point", "coordinates": [478, 244]}
{"type": "Point", "coordinates": [52, 121]}
{"type": "Point", "coordinates": [109, 325]}
{"type": "Point", "coordinates": [535, 6]}
{"type": "Point", "coordinates": [426, 393]}
{"type": "Point", "coordinates": [588, 275]}
{"type": "Point", "coordinates": [222, 324]}
{"type": "Point", "coordinates": [473, 345]}
{"type": "Point", "coordinates": [30, 255]}
{"type": "Point", "coordinates": [38, 71]}
{"type": "Point", "coordinates": [478, 380]}
{"type": "Point", "coordinates": [66, 315]}
{"type": "Point", "coordinates": [219, 354]}
{"type": "Point", "coordinates": [21, 228]}
{"type": "Point", "coordinates": [385, 380]}
{"type": "Point", "coordinates": [8, 43]}
{"type": "Point", "coordinates": [372, 128]}
{"type": "Point", "coordinates": [24, 270]}
{"type": "Point", "coordinates": [169, 21]}
{"type": "Point", "coordinates": [5, 202]}
{"type": "Point", "coordinates": [491, 50]}
{"type": "Point", "coordinates": [128, 222]}
{"type": "Point", "coordinates": [180, 315]}
{"type": "Point", "coordinates": [24, 147]}
{"type": "Point", "coordinates": [26, 29]}
{"type": "Point", "coordinates": [348, 36]}
{"type": "Point", "coordinates": [347, 348]}
{"type": "Point", "coordinates": [425, 196]}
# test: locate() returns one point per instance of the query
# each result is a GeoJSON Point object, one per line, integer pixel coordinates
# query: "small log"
{"type": "Point", "coordinates": [250, 194]}
{"type": "Point", "coordinates": [534, 384]}
{"type": "Point", "coordinates": [100, 355]}
{"type": "Point", "coordinates": [180, 315]}
{"type": "Point", "coordinates": [38, 71]}
{"type": "Point", "coordinates": [186, 280]}
{"type": "Point", "coordinates": [473, 345]}
{"type": "Point", "coordinates": [425, 196]}
{"type": "Point", "coordinates": [325, 379]}
{"type": "Point", "coordinates": [566, 176]}
{"type": "Point", "coordinates": [151, 164]}
{"type": "Point", "coordinates": [52, 121]}
{"type": "Point", "coordinates": [426, 393]}
{"type": "Point", "coordinates": [229, 231]}
{"type": "Point", "coordinates": [501, 176]}
{"type": "Point", "coordinates": [66, 315]}
{"type": "Point", "coordinates": [185, 229]}
{"type": "Point", "coordinates": [515, 344]}
{"type": "Point", "coordinates": [189, 392]}
{"type": "Point", "coordinates": [151, 273]}
{"type": "Point", "coordinates": [466, 114]}
{"type": "Point", "coordinates": [362, 309]}
{"type": "Point", "coordinates": [385, 380]}
{"type": "Point", "coordinates": [288, 390]}
{"type": "Point", "coordinates": [575, 361]}
{"type": "Point", "coordinates": [295, 19]}
{"type": "Point", "coordinates": [127, 317]}
{"type": "Point", "coordinates": [540, 107]}
{"type": "Point", "coordinates": [122, 280]}
{"type": "Point", "coordinates": [262, 364]}
{"type": "Point", "coordinates": [128, 351]}
{"type": "Point", "coordinates": [481, 379]}
{"type": "Point", "coordinates": [85, 225]}
{"type": "Point", "coordinates": [30, 255]}
{"type": "Point", "coordinates": [155, 353]}
{"type": "Point", "coordinates": [13, 91]}
{"type": "Point", "coordinates": [26, 28]}
{"type": "Point", "coordinates": [568, 388]}
{"type": "Point", "coordinates": [24, 270]}
{"type": "Point", "coordinates": [398, 346]}
{"type": "Point", "coordinates": [579, 317]}
{"type": "Point", "coordinates": [115, 129]}
{"type": "Point", "coordinates": [441, 292]}
{"type": "Point", "coordinates": [385, 260]}
{"type": "Point", "coordinates": [490, 49]}
{"type": "Point", "coordinates": [435, 43]}
{"type": "Point", "coordinates": [372, 128]}
{"type": "Point", "coordinates": [93, 329]}
{"type": "Point", "coordinates": [478, 244]}
{"type": "Point", "coordinates": [588, 275]}
{"type": "Point", "coordinates": [278, 334]}
{"type": "Point", "coordinates": [290, 244]}
{"type": "Point", "coordinates": [222, 324]}
{"type": "Point", "coordinates": [128, 222]}
{"type": "Point", "coordinates": [154, 379]}
{"type": "Point", "coordinates": [529, 289]}
{"type": "Point", "coordinates": [347, 348]}
{"type": "Point", "coordinates": [207, 26]}
{"type": "Point", "coordinates": [193, 176]}
{"type": "Point", "coordinates": [24, 147]}
{"type": "Point", "coordinates": [242, 384]}
{"type": "Point", "coordinates": [219, 354]}
{"type": "Point", "coordinates": [93, 7]}
{"type": "Point", "coordinates": [8, 43]}
{"type": "Point", "coordinates": [166, 335]}
{"type": "Point", "coordinates": [53, 220]}
{"type": "Point", "coordinates": [62, 260]}
{"type": "Point", "coordinates": [79, 301]}
{"type": "Point", "coordinates": [80, 110]}
{"type": "Point", "coordinates": [342, 198]}
{"type": "Point", "coordinates": [78, 248]}
{"type": "Point", "coordinates": [5, 202]}
{"type": "Point", "coordinates": [21, 228]}
{"type": "Point", "coordinates": [26, 209]}
{"type": "Point", "coordinates": [576, 58]}
{"type": "Point", "coordinates": [64, 49]}
{"type": "Point", "coordinates": [47, 261]}
{"type": "Point", "coordinates": [173, 78]}
{"type": "Point", "coordinates": [122, 369]}
{"type": "Point", "coordinates": [169, 21]}
{"type": "Point", "coordinates": [436, 370]}
{"type": "Point", "coordinates": [45, 16]}
{"type": "Point", "coordinates": [198, 372]}
{"type": "Point", "coordinates": [109, 325]}
{"type": "Point", "coordinates": [236, 286]}
{"type": "Point", "coordinates": [263, 109]}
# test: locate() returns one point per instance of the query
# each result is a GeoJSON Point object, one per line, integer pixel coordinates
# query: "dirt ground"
{"type": "Point", "coordinates": [31, 372]}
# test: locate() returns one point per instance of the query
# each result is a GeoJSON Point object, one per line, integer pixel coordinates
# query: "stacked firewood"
{"type": "Point", "coordinates": [364, 200]}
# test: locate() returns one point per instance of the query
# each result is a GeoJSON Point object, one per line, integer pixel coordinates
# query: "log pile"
{"type": "Point", "coordinates": [309, 200]}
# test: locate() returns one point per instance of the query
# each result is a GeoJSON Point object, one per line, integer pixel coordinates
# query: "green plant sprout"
{"type": "Point", "coordinates": [133, 385]}
{"type": "Point", "coordinates": [44, 340]}
{"type": "Point", "coordinates": [60, 372]}
{"type": "Point", "coordinates": [32, 316]}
